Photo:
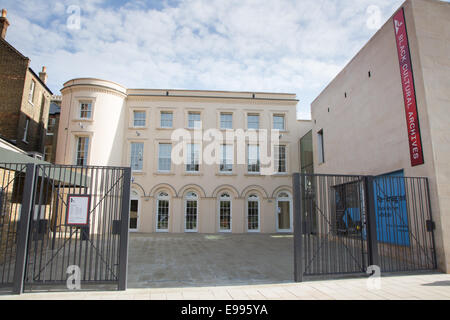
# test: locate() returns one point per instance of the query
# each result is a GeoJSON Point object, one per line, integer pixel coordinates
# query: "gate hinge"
{"type": "Point", "coordinates": [431, 226]}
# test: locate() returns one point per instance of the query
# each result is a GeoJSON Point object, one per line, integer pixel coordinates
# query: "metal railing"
{"type": "Point", "coordinates": [344, 224]}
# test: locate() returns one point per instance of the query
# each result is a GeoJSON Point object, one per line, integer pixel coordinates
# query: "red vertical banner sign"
{"type": "Point", "coordinates": [409, 92]}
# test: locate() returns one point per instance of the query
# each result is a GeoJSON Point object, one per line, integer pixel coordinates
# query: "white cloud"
{"type": "Point", "coordinates": [274, 45]}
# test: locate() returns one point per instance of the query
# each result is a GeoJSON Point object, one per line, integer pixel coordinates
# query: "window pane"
{"type": "Point", "coordinates": [253, 158]}
{"type": "Point", "coordinates": [226, 158]}
{"type": "Point", "coordinates": [192, 158]}
{"type": "Point", "coordinates": [253, 215]}
{"type": "Point", "coordinates": [163, 215]}
{"type": "Point", "coordinates": [133, 214]}
{"type": "Point", "coordinates": [280, 159]}
{"type": "Point", "coordinates": [82, 151]}
{"type": "Point", "coordinates": [164, 161]}
{"type": "Point", "coordinates": [225, 215]}
{"type": "Point", "coordinates": [166, 119]}
{"type": "Point", "coordinates": [253, 121]}
{"type": "Point", "coordinates": [320, 147]}
{"type": "Point", "coordinates": [137, 156]}
{"type": "Point", "coordinates": [191, 215]}
{"type": "Point", "coordinates": [278, 122]}
{"type": "Point", "coordinates": [85, 110]}
{"type": "Point", "coordinates": [194, 120]}
{"type": "Point", "coordinates": [139, 118]}
{"type": "Point", "coordinates": [226, 121]}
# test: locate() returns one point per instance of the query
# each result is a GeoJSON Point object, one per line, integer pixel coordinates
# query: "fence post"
{"type": "Point", "coordinates": [125, 217]}
{"type": "Point", "coordinates": [298, 230]}
{"type": "Point", "coordinates": [23, 229]}
{"type": "Point", "coordinates": [371, 226]}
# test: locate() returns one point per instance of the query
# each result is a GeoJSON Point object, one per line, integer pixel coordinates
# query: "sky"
{"type": "Point", "coordinates": [292, 46]}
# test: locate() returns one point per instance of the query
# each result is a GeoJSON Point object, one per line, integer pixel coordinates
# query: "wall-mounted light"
{"type": "Point", "coordinates": [81, 125]}
{"type": "Point", "coordinates": [138, 134]}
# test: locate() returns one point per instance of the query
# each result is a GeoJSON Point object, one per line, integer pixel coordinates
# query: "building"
{"type": "Point", "coordinates": [52, 129]}
{"type": "Point", "coordinates": [104, 124]}
{"type": "Point", "coordinates": [387, 114]}
{"type": "Point", "coordinates": [25, 98]}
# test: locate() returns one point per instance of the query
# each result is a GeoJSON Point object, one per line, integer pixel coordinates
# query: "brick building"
{"type": "Point", "coordinates": [24, 98]}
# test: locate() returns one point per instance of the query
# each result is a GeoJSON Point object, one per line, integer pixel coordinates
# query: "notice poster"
{"type": "Point", "coordinates": [409, 93]}
{"type": "Point", "coordinates": [78, 210]}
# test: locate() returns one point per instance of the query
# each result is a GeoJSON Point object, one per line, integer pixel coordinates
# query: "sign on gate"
{"type": "Point", "coordinates": [78, 210]}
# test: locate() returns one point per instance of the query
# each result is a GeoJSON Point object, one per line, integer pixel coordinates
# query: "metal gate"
{"type": "Point", "coordinates": [344, 224]}
{"type": "Point", "coordinates": [75, 224]}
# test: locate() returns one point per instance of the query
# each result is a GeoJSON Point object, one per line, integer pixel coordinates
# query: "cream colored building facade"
{"type": "Point", "coordinates": [116, 124]}
{"type": "Point", "coordinates": [361, 113]}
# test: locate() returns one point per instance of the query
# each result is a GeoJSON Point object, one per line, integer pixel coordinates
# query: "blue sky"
{"type": "Point", "coordinates": [294, 46]}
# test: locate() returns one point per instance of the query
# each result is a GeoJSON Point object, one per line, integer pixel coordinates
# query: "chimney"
{"type": "Point", "coordinates": [43, 75]}
{"type": "Point", "coordinates": [4, 24]}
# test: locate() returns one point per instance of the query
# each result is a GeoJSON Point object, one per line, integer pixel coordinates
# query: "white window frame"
{"type": "Point", "coordinates": [159, 157]}
{"type": "Point", "coordinates": [284, 121]}
{"type": "Point", "coordinates": [220, 120]}
{"type": "Point", "coordinates": [291, 212]}
{"type": "Point", "coordinates": [135, 112]}
{"type": "Point", "coordinates": [162, 196]}
{"type": "Point", "coordinates": [131, 156]}
{"type": "Point", "coordinates": [277, 158]}
{"type": "Point", "coordinates": [253, 115]}
{"type": "Point", "coordinates": [254, 197]}
{"type": "Point", "coordinates": [86, 158]}
{"type": "Point", "coordinates": [258, 159]}
{"type": "Point", "coordinates": [80, 111]}
{"type": "Point", "coordinates": [227, 158]}
{"type": "Point", "coordinates": [196, 122]}
{"type": "Point", "coordinates": [32, 90]}
{"type": "Point", "coordinates": [223, 198]}
{"type": "Point", "coordinates": [25, 130]}
{"type": "Point", "coordinates": [189, 197]}
{"type": "Point", "coordinates": [190, 153]}
{"type": "Point", "coordinates": [161, 120]}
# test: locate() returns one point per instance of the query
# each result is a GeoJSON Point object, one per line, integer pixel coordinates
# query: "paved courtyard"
{"type": "Point", "coordinates": [186, 260]}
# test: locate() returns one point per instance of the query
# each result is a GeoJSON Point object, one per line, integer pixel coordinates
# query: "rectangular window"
{"type": "Point", "coordinates": [137, 156]}
{"type": "Point", "coordinates": [253, 215]}
{"type": "Point", "coordinates": [253, 159]}
{"type": "Point", "coordinates": [225, 215]}
{"type": "Point", "coordinates": [82, 151]}
{"type": "Point", "coordinates": [278, 123]}
{"type": "Point", "coordinates": [280, 159]}
{"type": "Point", "coordinates": [25, 130]}
{"type": "Point", "coordinates": [192, 158]}
{"type": "Point", "coordinates": [226, 158]}
{"type": "Point", "coordinates": [166, 119]}
{"type": "Point", "coordinates": [139, 118]}
{"type": "Point", "coordinates": [194, 120]}
{"type": "Point", "coordinates": [191, 215]}
{"type": "Point", "coordinates": [134, 207]}
{"type": "Point", "coordinates": [164, 157]}
{"type": "Point", "coordinates": [226, 121]}
{"type": "Point", "coordinates": [320, 148]}
{"type": "Point", "coordinates": [31, 94]}
{"type": "Point", "coordinates": [253, 121]}
{"type": "Point", "coordinates": [85, 110]}
{"type": "Point", "coordinates": [163, 215]}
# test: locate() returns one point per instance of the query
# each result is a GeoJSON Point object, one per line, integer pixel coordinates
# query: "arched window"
{"type": "Point", "coordinates": [225, 213]}
{"type": "Point", "coordinates": [191, 212]}
{"type": "Point", "coordinates": [162, 215]}
{"type": "Point", "coordinates": [253, 213]}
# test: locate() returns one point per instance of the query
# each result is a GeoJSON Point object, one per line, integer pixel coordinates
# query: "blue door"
{"type": "Point", "coordinates": [391, 209]}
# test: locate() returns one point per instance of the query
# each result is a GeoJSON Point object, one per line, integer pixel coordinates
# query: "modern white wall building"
{"type": "Point", "coordinates": [104, 124]}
